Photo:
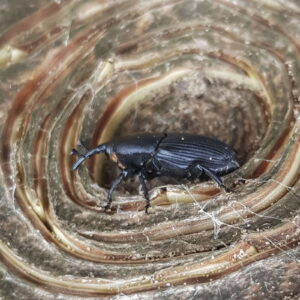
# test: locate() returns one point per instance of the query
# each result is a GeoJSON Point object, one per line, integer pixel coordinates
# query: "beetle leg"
{"type": "Point", "coordinates": [213, 176]}
{"type": "Point", "coordinates": [216, 178]}
{"type": "Point", "coordinates": [114, 185]}
{"type": "Point", "coordinates": [153, 160]}
{"type": "Point", "coordinates": [145, 191]}
{"type": "Point", "coordinates": [159, 142]}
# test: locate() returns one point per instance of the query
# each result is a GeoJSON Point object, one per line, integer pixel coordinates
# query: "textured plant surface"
{"type": "Point", "coordinates": [88, 71]}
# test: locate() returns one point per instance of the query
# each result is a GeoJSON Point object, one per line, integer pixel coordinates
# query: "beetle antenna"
{"type": "Point", "coordinates": [99, 149]}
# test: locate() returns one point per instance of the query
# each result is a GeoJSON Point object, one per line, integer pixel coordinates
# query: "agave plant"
{"type": "Point", "coordinates": [83, 72]}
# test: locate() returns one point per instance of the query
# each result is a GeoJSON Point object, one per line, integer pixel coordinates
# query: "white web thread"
{"type": "Point", "coordinates": [218, 224]}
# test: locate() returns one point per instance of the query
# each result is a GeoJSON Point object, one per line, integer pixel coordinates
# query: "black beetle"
{"type": "Point", "coordinates": [175, 155]}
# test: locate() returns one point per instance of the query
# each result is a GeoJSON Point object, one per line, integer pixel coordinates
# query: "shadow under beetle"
{"type": "Point", "coordinates": [174, 155]}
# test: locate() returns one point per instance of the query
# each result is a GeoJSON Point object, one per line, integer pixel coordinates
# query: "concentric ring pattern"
{"type": "Point", "coordinates": [86, 71]}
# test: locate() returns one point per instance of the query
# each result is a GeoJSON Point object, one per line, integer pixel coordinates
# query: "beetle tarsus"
{"type": "Point", "coordinates": [145, 191]}
{"type": "Point", "coordinates": [107, 206]}
{"type": "Point", "coordinates": [147, 207]}
{"type": "Point", "coordinates": [227, 189]}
